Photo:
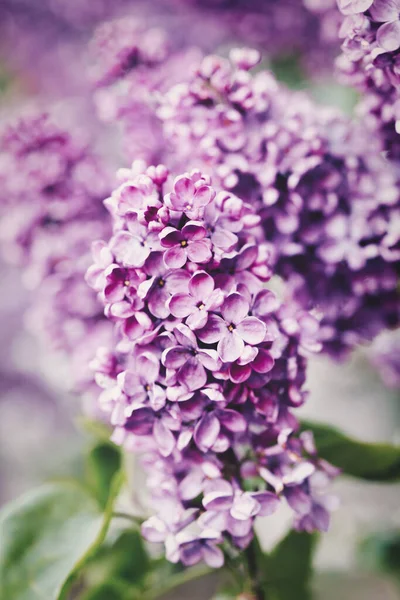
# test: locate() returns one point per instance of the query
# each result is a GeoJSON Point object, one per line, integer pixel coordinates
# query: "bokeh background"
{"type": "Point", "coordinates": [42, 60]}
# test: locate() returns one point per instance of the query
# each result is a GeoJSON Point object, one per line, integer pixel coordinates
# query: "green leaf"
{"type": "Point", "coordinates": [102, 463]}
{"type": "Point", "coordinates": [112, 590]}
{"type": "Point", "coordinates": [381, 552]}
{"type": "Point", "coordinates": [289, 567]}
{"type": "Point", "coordinates": [124, 558]}
{"type": "Point", "coordinates": [374, 462]}
{"type": "Point", "coordinates": [46, 536]}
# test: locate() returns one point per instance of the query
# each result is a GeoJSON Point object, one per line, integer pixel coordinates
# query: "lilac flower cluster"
{"type": "Point", "coordinates": [131, 64]}
{"type": "Point", "coordinates": [52, 188]}
{"type": "Point", "coordinates": [207, 367]}
{"type": "Point", "coordinates": [328, 202]}
{"type": "Point", "coordinates": [371, 62]}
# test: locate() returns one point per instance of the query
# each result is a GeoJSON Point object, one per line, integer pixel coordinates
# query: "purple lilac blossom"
{"type": "Point", "coordinates": [328, 201]}
{"type": "Point", "coordinates": [370, 62]}
{"type": "Point", "coordinates": [52, 187]}
{"type": "Point", "coordinates": [203, 378]}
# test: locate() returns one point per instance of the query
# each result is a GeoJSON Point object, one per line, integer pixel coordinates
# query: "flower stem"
{"type": "Point", "coordinates": [252, 554]}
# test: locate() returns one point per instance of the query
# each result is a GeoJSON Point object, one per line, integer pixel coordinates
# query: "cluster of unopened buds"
{"type": "Point", "coordinates": [207, 366]}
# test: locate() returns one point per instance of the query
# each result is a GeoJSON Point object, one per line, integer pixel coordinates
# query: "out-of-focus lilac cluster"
{"type": "Point", "coordinates": [132, 64]}
{"type": "Point", "coordinates": [328, 202]}
{"type": "Point", "coordinates": [207, 367]}
{"type": "Point", "coordinates": [371, 62]}
{"type": "Point", "coordinates": [52, 191]}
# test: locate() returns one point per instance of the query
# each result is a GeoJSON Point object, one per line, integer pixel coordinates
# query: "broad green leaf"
{"type": "Point", "coordinates": [374, 462]}
{"type": "Point", "coordinates": [288, 568]}
{"type": "Point", "coordinates": [381, 551]}
{"type": "Point", "coordinates": [112, 590]}
{"type": "Point", "coordinates": [102, 463]}
{"type": "Point", "coordinates": [46, 536]}
{"type": "Point", "coordinates": [124, 558]}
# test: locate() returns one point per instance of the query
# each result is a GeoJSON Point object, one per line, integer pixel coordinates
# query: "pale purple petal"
{"type": "Point", "coordinates": [388, 36]}
{"type": "Point", "coordinates": [214, 300]}
{"type": "Point", "coordinates": [244, 507]}
{"type": "Point", "coordinates": [268, 502]}
{"type": "Point", "coordinates": [239, 528]}
{"type": "Point", "coordinates": [154, 530]}
{"type": "Point", "coordinates": [184, 187]}
{"type": "Point", "coordinates": [230, 347]}
{"type": "Point", "coordinates": [129, 250]}
{"type": "Point", "coordinates": [352, 7]}
{"type": "Point", "coordinates": [209, 359]}
{"type": "Point", "coordinates": [194, 231]}
{"type": "Point", "coordinates": [175, 357]}
{"type": "Point", "coordinates": [298, 500]}
{"type": "Point", "coordinates": [191, 553]}
{"type": "Point", "coordinates": [181, 305]}
{"type": "Point", "coordinates": [185, 336]}
{"type": "Point", "coordinates": [201, 285]}
{"type": "Point", "coordinates": [213, 331]}
{"type": "Point", "coordinates": [192, 374]}
{"type": "Point", "coordinates": [213, 556]}
{"type": "Point", "coordinates": [164, 438]}
{"type": "Point", "coordinates": [203, 196]}
{"type": "Point", "coordinates": [175, 257]}
{"type": "Point", "coordinates": [235, 308]}
{"type": "Point", "coordinates": [157, 302]}
{"type": "Point", "coordinates": [191, 485]}
{"type": "Point", "coordinates": [384, 11]}
{"type": "Point", "coordinates": [170, 237]}
{"type": "Point", "coordinates": [217, 501]}
{"type": "Point", "coordinates": [148, 366]}
{"type": "Point", "coordinates": [232, 420]}
{"type": "Point", "coordinates": [198, 319]}
{"type": "Point", "coordinates": [226, 240]}
{"type": "Point", "coordinates": [206, 432]}
{"type": "Point", "coordinates": [252, 330]}
{"type": "Point", "coordinates": [199, 252]}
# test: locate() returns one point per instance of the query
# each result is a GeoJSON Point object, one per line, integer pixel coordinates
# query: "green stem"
{"type": "Point", "coordinates": [176, 581]}
{"type": "Point", "coordinates": [121, 515]}
{"type": "Point", "coordinates": [252, 554]}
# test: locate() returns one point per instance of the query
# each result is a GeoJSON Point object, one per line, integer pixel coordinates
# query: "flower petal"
{"type": "Point", "coordinates": [175, 357]}
{"type": "Point", "coordinates": [388, 36]}
{"type": "Point", "coordinates": [141, 421]}
{"type": "Point", "coordinates": [206, 432]}
{"type": "Point", "coordinates": [201, 285]}
{"type": "Point", "coordinates": [352, 7]}
{"type": "Point", "coordinates": [181, 305]}
{"type": "Point", "coordinates": [199, 252]}
{"type": "Point", "coordinates": [244, 507]}
{"type": "Point", "coordinates": [235, 308]}
{"type": "Point", "coordinates": [384, 11]}
{"type": "Point", "coordinates": [164, 438]}
{"type": "Point", "coordinates": [232, 420]}
{"type": "Point", "coordinates": [192, 374]}
{"type": "Point", "coordinates": [213, 331]}
{"type": "Point", "coordinates": [268, 502]}
{"type": "Point", "coordinates": [213, 556]}
{"type": "Point", "coordinates": [252, 330]}
{"type": "Point", "coordinates": [263, 362]}
{"type": "Point", "coordinates": [230, 347]}
{"type": "Point", "coordinates": [175, 257]}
